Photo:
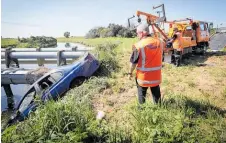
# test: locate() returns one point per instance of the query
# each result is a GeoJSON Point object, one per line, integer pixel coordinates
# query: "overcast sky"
{"type": "Point", "coordinates": [53, 17]}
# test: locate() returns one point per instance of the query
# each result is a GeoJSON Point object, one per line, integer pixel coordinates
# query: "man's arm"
{"type": "Point", "coordinates": [173, 38]}
{"type": "Point", "coordinates": [132, 67]}
{"type": "Point", "coordinates": [133, 61]}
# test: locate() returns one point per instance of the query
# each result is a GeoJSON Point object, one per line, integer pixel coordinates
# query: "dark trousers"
{"type": "Point", "coordinates": [156, 94]}
{"type": "Point", "coordinates": [175, 53]}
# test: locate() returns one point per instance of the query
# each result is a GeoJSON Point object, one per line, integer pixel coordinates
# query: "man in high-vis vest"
{"type": "Point", "coordinates": [177, 46]}
{"type": "Point", "coordinates": [147, 59]}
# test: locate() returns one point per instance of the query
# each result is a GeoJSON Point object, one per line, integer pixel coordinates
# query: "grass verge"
{"type": "Point", "coordinates": [193, 109]}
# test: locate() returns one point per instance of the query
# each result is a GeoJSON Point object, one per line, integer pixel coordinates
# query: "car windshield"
{"type": "Point", "coordinates": [29, 98]}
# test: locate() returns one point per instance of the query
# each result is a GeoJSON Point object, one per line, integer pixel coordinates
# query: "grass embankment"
{"type": "Point", "coordinates": [6, 42]}
{"type": "Point", "coordinates": [10, 42]}
{"type": "Point", "coordinates": [193, 108]}
{"type": "Point", "coordinates": [32, 42]}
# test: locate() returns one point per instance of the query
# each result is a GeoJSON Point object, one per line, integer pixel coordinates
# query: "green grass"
{"type": "Point", "coordinates": [10, 42]}
{"type": "Point", "coordinates": [193, 109]}
{"type": "Point", "coordinates": [7, 42]}
{"type": "Point", "coordinates": [179, 119]}
{"type": "Point", "coordinates": [224, 49]}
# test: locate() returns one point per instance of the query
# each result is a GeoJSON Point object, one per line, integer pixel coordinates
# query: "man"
{"type": "Point", "coordinates": [177, 46]}
{"type": "Point", "coordinates": [147, 57]}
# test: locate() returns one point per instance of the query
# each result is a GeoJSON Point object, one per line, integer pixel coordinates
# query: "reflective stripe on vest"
{"type": "Point", "coordinates": [143, 57]}
{"type": "Point", "coordinates": [142, 68]}
{"type": "Point", "coordinates": [150, 69]}
{"type": "Point", "coordinates": [148, 82]}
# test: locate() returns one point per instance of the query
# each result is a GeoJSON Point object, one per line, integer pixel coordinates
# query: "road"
{"type": "Point", "coordinates": [218, 41]}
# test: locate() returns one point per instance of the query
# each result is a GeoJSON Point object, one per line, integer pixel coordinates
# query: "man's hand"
{"type": "Point", "coordinates": [130, 75]}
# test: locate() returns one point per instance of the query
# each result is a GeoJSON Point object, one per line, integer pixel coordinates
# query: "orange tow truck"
{"type": "Point", "coordinates": [195, 34]}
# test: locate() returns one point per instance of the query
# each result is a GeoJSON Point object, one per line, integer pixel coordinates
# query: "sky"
{"type": "Point", "coordinates": [53, 17]}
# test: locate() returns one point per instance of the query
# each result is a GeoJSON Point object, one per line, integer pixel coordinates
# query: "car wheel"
{"type": "Point", "coordinates": [77, 82]}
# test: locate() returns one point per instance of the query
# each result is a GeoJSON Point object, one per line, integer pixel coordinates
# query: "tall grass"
{"type": "Point", "coordinates": [69, 120]}
{"type": "Point", "coordinates": [178, 119]}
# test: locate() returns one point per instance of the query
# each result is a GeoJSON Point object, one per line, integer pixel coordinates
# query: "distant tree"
{"type": "Point", "coordinates": [67, 34]}
{"type": "Point", "coordinates": [93, 33]}
{"type": "Point", "coordinates": [33, 38]}
{"type": "Point", "coordinates": [104, 32]}
{"type": "Point", "coordinates": [23, 40]}
{"type": "Point", "coordinates": [115, 28]}
{"type": "Point", "coordinates": [18, 38]}
{"type": "Point", "coordinates": [112, 30]}
{"type": "Point", "coordinates": [67, 45]}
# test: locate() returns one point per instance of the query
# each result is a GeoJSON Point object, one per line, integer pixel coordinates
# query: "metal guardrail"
{"type": "Point", "coordinates": [77, 49]}
{"type": "Point", "coordinates": [35, 55]}
{"type": "Point", "coordinates": [12, 56]}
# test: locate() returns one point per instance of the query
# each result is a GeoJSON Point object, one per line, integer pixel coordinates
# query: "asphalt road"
{"type": "Point", "coordinates": [218, 41]}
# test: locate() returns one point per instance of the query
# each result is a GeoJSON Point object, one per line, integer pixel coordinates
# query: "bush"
{"type": "Point", "coordinates": [93, 33]}
{"type": "Point", "coordinates": [104, 32]}
{"type": "Point", "coordinates": [67, 34]}
{"type": "Point", "coordinates": [108, 59]}
{"type": "Point", "coordinates": [112, 30]}
{"type": "Point", "coordinates": [37, 41]}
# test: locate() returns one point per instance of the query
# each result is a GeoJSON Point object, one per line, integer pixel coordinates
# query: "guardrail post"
{"type": "Point", "coordinates": [60, 60]}
{"type": "Point", "coordinates": [9, 94]}
{"type": "Point", "coordinates": [73, 49]}
{"type": "Point", "coordinates": [40, 60]}
{"type": "Point", "coordinates": [9, 60]}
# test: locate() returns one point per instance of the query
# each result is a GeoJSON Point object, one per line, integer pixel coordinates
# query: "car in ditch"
{"type": "Point", "coordinates": [54, 84]}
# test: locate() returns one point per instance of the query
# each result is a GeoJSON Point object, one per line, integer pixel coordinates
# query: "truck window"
{"type": "Point", "coordinates": [187, 32]}
{"type": "Point", "coordinates": [188, 28]}
{"type": "Point", "coordinates": [202, 26]}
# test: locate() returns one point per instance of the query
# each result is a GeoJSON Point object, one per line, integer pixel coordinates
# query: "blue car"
{"type": "Point", "coordinates": [55, 83]}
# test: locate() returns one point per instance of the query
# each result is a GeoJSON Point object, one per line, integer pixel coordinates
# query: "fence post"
{"type": "Point", "coordinates": [40, 60]}
{"type": "Point", "coordinates": [9, 60]}
{"type": "Point", "coordinates": [9, 94]}
{"type": "Point", "coordinates": [60, 60]}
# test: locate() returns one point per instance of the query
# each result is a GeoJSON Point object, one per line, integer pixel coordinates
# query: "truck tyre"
{"type": "Point", "coordinates": [177, 63]}
{"type": "Point", "coordinates": [204, 50]}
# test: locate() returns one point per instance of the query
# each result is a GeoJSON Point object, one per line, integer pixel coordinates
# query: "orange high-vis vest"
{"type": "Point", "coordinates": [177, 44]}
{"type": "Point", "coordinates": [150, 62]}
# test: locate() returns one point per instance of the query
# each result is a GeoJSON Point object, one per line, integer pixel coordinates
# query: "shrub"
{"type": "Point", "coordinates": [108, 59]}
{"type": "Point", "coordinates": [67, 34]}
{"type": "Point", "coordinates": [112, 30]}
